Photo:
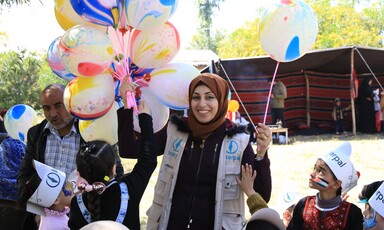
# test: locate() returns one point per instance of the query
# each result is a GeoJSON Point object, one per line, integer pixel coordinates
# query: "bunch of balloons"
{"type": "Point", "coordinates": [106, 40]}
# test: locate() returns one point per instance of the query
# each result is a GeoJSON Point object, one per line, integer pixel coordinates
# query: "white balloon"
{"type": "Point", "coordinates": [170, 84]}
{"type": "Point", "coordinates": [159, 112]}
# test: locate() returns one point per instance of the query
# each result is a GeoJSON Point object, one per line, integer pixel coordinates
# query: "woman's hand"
{"type": "Point", "coordinates": [263, 139]}
{"type": "Point", "coordinates": [126, 86]}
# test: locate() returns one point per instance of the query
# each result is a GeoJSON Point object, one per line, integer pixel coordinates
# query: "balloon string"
{"type": "Point", "coordinates": [270, 91]}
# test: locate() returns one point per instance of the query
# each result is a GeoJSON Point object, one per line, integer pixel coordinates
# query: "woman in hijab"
{"type": "Point", "coordinates": [366, 107]}
{"type": "Point", "coordinates": [202, 155]}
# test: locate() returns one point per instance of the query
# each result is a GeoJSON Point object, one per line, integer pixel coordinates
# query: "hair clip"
{"type": "Point", "coordinates": [98, 187]}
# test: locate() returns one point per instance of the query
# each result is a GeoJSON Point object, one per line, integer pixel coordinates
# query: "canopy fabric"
{"type": "Point", "coordinates": [312, 82]}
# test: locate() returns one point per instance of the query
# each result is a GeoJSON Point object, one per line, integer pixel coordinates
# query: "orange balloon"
{"type": "Point", "coordinates": [233, 105]}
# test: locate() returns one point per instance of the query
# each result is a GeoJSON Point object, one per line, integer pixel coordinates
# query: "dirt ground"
{"type": "Point", "coordinates": [292, 163]}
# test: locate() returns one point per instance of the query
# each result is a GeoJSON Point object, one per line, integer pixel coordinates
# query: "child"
{"type": "Point", "coordinates": [372, 196]}
{"type": "Point", "coordinates": [51, 196]}
{"type": "Point", "coordinates": [103, 197]}
{"type": "Point", "coordinates": [338, 116]}
{"type": "Point", "coordinates": [288, 200]}
{"type": "Point", "coordinates": [332, 174]}
{"type": "Point", "coordinates": [262, 217]}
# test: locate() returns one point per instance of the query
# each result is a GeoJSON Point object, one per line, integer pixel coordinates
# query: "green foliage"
{"type": "Point", "coordinates": [20, 81]}
{"type": "Point", "coordinates": [339, 25]}
{"type": "Point", "coordinates": [199, 41]}
{"type": "Point", "coordinates": [206, 39]}
{"type": "Point", "coordinates": [9, 3]}
{"type": "Point", "coordinates": [342, 25]}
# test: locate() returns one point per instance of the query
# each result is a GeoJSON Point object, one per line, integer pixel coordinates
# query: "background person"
{"type": "Point", "coordinates": [278, 96]}
{"type": "Point", "coordinates": [338, 116]}
{"type": "Point", "coordinates": [12, 213]}
{"type": "Point", "coordinates": [366, 107]}
{"type": "Point", "coordinates": [56, 140]}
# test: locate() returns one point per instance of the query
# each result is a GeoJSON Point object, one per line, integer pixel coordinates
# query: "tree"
{"type": "Point", "coordinates": [9, 3]}
{"type": "Point", "coordinates": [339, 25]}
{"type": "Point", "coordinates": [20, 81]}
{"type": "Point", "coordinates": [206, 38]}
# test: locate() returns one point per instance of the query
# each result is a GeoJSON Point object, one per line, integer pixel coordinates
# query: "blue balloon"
{"type": "Point", "coordinates": [106, 13]}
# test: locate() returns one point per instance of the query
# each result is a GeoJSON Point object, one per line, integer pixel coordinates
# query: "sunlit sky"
{"type": "Point", "coordinates": [35, 27]}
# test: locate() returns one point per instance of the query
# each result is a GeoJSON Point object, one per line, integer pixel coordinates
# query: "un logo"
{"type": "Point", "coordinates": [176, 144]}
{"type": "Point", "coordinates": [233, 147]}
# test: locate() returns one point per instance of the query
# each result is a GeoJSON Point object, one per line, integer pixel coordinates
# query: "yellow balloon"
{"type": "Point", "coordinates": [233, 105]}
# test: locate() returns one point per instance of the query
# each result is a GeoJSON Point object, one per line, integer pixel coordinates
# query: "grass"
{"type": "Point", "coordinates": [292, 164]}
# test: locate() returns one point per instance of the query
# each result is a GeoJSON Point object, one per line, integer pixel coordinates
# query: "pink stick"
{"type": "Point", "coordinates": [270, 91]}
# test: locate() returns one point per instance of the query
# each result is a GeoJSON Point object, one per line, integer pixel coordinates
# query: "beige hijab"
{"type": "Point", "coordinates": [220, 89]}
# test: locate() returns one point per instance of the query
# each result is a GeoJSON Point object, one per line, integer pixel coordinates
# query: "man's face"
{"type": "Point", "coordinates": [54, 109]}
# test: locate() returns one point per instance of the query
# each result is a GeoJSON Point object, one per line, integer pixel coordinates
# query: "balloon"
{"type": "Point", "coordinates": [159, 112]}
{"type": "Point", "coordinates": [155, 47]}
{"type": "Point", "coordinates": [142, 14]}
{"type": "Point", "coordinates": [18, 119]}
{"type": "Point", "coordinates": [54, 61]}
{"type": "Point", "coordinates": [103, 128]}
{"type": "Point", "coordinates": [170, 84]}
{"type": "Point", "coordinates": [287, 30]}
{"type": "Point", "coordinates": [90, 98]}
{"type": "Point", "coordinates": [233, 105]}
{"type": "Point", "coordinates": [85, 51]}
{"type": "Point", "coordinates": [106, 13]}
{"type": "Point", "coordinates": [66, 16]}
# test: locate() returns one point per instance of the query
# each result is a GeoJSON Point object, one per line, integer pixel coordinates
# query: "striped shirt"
{"type": "Point", "coordinates": [60, 153]}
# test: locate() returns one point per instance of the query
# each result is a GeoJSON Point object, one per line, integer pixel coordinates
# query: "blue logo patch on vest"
{"type": "Point", "coordinates": [175, 147]}
{"type": "Point", "coordinates": [176, 144]}
{"type": "Point", "coordinates": [232, 151]}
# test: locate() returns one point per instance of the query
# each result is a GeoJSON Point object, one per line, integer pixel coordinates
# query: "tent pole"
{"type": "Point", "coordinates": [352, 85]}
{"type": "Point", "coordinates": [308, 106]}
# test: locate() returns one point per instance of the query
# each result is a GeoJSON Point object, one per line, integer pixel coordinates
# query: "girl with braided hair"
{"type": "Point", "coordinates": [103, 197]}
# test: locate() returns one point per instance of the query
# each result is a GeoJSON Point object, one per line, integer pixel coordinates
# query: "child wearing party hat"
{"type": "Point", "coordinates": [49, 195]}
{"type": "Point", "coordinates": [333, 174]}
{"type": "Point", "coordinates": [373, 196]}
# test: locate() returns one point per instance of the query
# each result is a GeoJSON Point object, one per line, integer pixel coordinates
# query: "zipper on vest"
{"type": "Point", "coordinates": [189, 224]}
{"type": "Point", "coordinates": [202, 144]}
{"type": "Point", "coordinates": [192, 204]}
{"type": "Point", "coordinates": [214, 154]}
{"type": "Point", "coordinates": [191, 151]}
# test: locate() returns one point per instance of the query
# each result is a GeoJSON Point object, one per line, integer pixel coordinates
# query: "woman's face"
{"type": "Point", "coordinates": [321, 178]}
{"type": "Point", "coordinates": [204, 104]}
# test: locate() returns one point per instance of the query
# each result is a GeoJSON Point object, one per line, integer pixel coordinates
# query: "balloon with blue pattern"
{"type": "Point", "coordinates": [18, 119]}
{"type": "Point", "coordinates": [287, 30]}
{"type": "Point", "coordinates": [54, 62]}
{"type": "Point", "coordinates": [85, 51]}
{"type": "Point", "coordinates": [106, 13]}
{"type": "Point", "coordinates": [143, 14]}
